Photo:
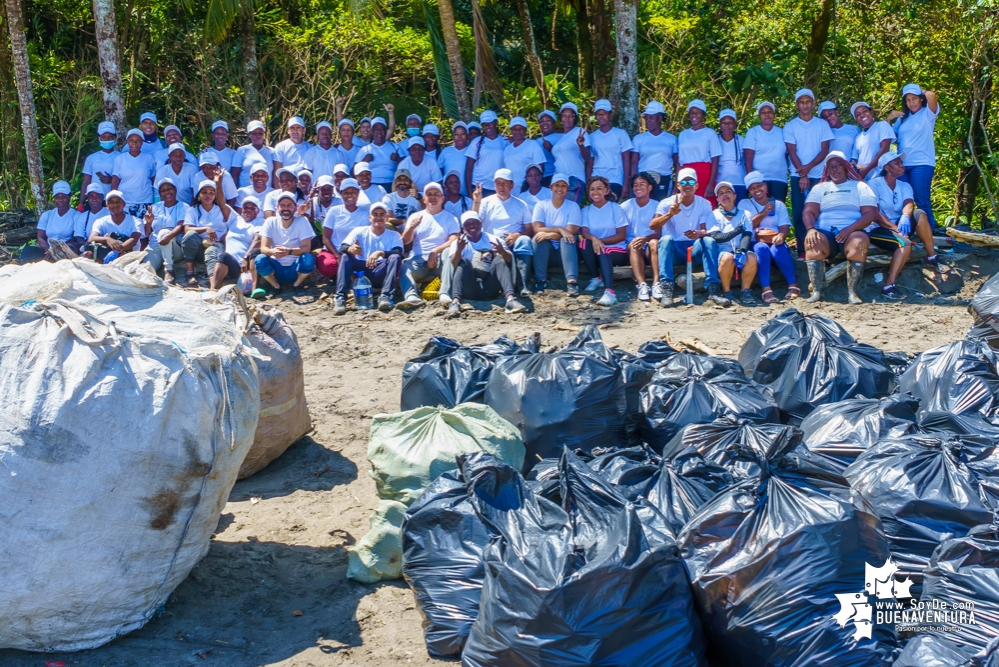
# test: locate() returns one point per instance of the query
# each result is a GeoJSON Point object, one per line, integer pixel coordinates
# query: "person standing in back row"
{"type": "Point", "coordinates": [700, 149]}
{"type": "Point", "coordinates": [655, 152]}
{"type": "Point", "coordinates": [484, 155]}
{"type": "Point", "coordinates": [915, 127]}
{"type": "Point", "coordinates": [844, 136]}
{"type": "Point", "coordinates": [766, 152]}
{"type": "Point", "coordinates": [611, 148]}
{"type": "Point", "coordinates": [255, 152]}
{"type": "Point", "coordinates": [291, 152]}
{"type": "Point", "coordinates": [98, 166]}
{"type": "Point", "coordinates": [572, 152]}
{"type": "Point", "coordinates": [807, 139]}
{"type": "Point", "coordinates": [549, 137]}
{"type": "Point", "coordinates": [873, 141]}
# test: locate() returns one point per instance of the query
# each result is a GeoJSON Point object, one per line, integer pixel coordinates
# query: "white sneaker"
{"type": "Point", "coordinates": [608, 299]}
{"type": "Point", "coordinates": [644, 292]}
{"type": "Point", "coordinates": [594, 285]}
{"type": "Point", "coordinates": [412, 300]}
{"type": "Point", "coordinates": [444, 298]}
{"type": "Point", "coordinates": [657, 292]}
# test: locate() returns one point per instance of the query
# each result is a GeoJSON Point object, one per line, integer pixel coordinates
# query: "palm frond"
{"type": "Point", "coordinates": [442, 68]}
{"type": "Point", "coordinates": [221, 15]}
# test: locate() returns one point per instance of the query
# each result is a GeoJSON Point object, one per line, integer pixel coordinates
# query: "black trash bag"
{"type": "Point", "coordinates": [987, 332]}
{"type": "Point", "coordinates": [946, 422]}
{"type": "Point", "coordinates": [692, 389]}
{"type": "Point", "coordinates": [768, 556]}
{"type": "Point", "coordinates": [591, 584]}
{"type": "Point", "coordinates": [845, 430]}
{"type": "Point", "coordinates": [926, 489]}
{"type": "Point", "coordinates": [448, 373]}
{"type": "Point", "coordinates": [637, 370]}
{"type": "Point", "coordinates": [899, 362]}
{"type": "Point", "coordinates": [790, 325]}
{"type": "Point", "coordinates": [932, 651]}
{"type": "Point", "coordinates": [631, 471]}
{"type": "Point", "coordinates": [957, 378]}
{"type": "Point", "coordinates": [574, 397]}
{"type": "Point", "coordinates": [683, 484]}
{"type": "Point", "coordinates": [984, 308]}
{"type": "Point", "coordinates": [721, 441]}
{"type": "Point", "coordinates": [443, 539]}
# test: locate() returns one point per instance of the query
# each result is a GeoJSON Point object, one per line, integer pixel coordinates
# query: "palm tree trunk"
{"type": "Point", "coordinates": [603, 49]}
{"type": "Point", "coordinates": [26, 101]}
{"type": "Point", "coordinates": [584, 47]}
{"type": "Point", "coordinates": [624, 86]}
{"type": "Point", "coordinates": [454, 58]}
{"type": "Point", "coordinates": [252, 110]}
{"type": "Point", "coordinates": [10, 125]}
{"type": "Point", "coordinates": [817, 44]}
{"type": "Point", "coordinates": [106, 31]}
{"type": "Point", "coordinates": [532, 52]}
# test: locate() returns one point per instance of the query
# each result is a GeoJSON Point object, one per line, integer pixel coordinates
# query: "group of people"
{"type": "Point", "coordinates": [489, 214]}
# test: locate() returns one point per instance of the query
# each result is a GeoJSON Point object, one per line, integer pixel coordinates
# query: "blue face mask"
{"type": "Point", "coordinates": [413, 131]}
{"type": "Point", "coordinates": [107, 145]}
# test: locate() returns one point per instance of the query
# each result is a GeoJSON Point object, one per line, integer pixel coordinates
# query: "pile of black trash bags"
{"type": "Point", "coordinates": [681, 509]}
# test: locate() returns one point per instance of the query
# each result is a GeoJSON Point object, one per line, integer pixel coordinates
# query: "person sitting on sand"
{"type": "Point", "coordinates": [772, 224]}
{"type": "Point", "coordinates": [374, 251]}
{"type": "Point", "coordinates": [482, 268]}
{"type": "Point", "coordinates": [286, 246]}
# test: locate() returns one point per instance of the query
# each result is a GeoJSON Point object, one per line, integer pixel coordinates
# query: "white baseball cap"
{"type": "Point", "coordinates": [133, 133]}
{"type": "Point", "coordinates": [149, 115]}
{"type": "Point", "coordinates": [286, 170]}
{"type": "Point", "coordinates": [208, 157]}
{"type": "Point", "coordinates": [361, 167]}
{"type": "Point", "coordinates": [911, 88]}
{"type": "Point", "coordinates": [176, 146]}
{"type": "Point", "coordinates": [697, 104]}
{"type": "Point", "coordinates": [460, 124]}
{"type": "Point", "coordinates": [288, 195]}
{"type": "Point", "coordinates": [166, 180]}
{"type": "Point", "coordinates": [346, 121]}
{"type": "Point", "coordinates": [430, 128]}
{"type": "Point", "coordinates": [546, 112]}
{"type": "Point", "coordinates": [114, 193]}
{"type": "Point", "coordinates": [602, 105]}
{"type": "Point", "coordinates": [889, 157]}
{"type": "Point", "coordinates": [857, 105]}
{"type": "Point", "coordinates": [473, 123]}
{"type": "Point", "coordinates": [654, 107]}
{"type": "Point", "coordinates": [349, 183]}
{"type": "Point", "coordinates": [802, 92]}
{"type": "Point", "coordinates": [364, 120]}
{"type": "Point", "coordinates": [95, 187]}
{"type": "Point", "coordinates": [250, 199]}
{"type": "Point", "coordinates": [503, 174]}
{"type": "Point", "coordinates": [834, 154]}
{"type": "Point", "coordinates": [719, 184]}
{"type": "Point", "coordinates": [206, 184]}
{"type": "Point", "coordinates": [220, 123]}
{"type": "Point", "coordinates": [61, 188]}
{"type": "Point", "coordinates": [569, 105]}
{"type": "Point", "coordinates": [560, 177]}
{"type": "Point", "coordinates": [322, 124]}
{"type": "Point", "coordinates": [296, 120]}
{"type": "Point", "coordinates": [254, 125]}
{"type": "Point", "coordinates": [413, 115]}
{"type": "Point", "coordinates": [518, 121]}
{"type": "Point", "coordinates": [378, 120]}
{"type": "Point", "coordinates": [303, 172]}
{"type": "Point", "coordinates": [827, 105]}
{"type": "Point", "coordinates": [380, 205]}
{"type": "Point", "coordinates": [753, 177]}
{"type": "Point", "coordinates": [470, 215]}
{"type": "Point", "coordinates": [765, 104]}
{"type": "Point", "coordinates": [432, 186]}
{"type": "Point", "coordinates": [106, 126]}
{"type": "Point", "coordinates": [325, 180]}
{"type": "Point", "coordinates": [416, 141]}
{"type": "Point", "coordinates": [488, 116]}
{"type": "Point", "coordinates": [686, 172]}
{"type": "Point", "coordinates": [168, 128]}
{"type": "Point", "coordinates": [340, 168]}
{"type": "Point", "coordinates": [259, 166]}
{"type": "Point", "coordinates": [727, 113]}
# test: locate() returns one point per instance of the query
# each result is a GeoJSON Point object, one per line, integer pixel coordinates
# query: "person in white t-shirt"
{"type": "Point", "coordinates": [611, 149]}
{"type": "Point", "coordinates": [732, 230]}
{"type": "Point", "coordinates": [205, 225]}
{"type": "Point", "coordinates": [220, 137]}
{"type": "Point", "coordinates": [149, 127]}
{"type": "Point", "coordinates": [320, 201]}
{"type": "Point", "coordinates": [731, 162]}
{"type": "Point", "coordinates": [700, 149]}
{"type": "Point", "coordinates": [572, 152]}
{"type": "Point", "coordinates": [172, 135]}
{"type": "Point", "coordinates": [547, 123]}
{"type": "Point", "coordinates": [59, 223]}
{"type": "Point", "coordinates": [655, 152]}
{"type": "Point", "coordinates": [370, 192]}
{"type": "Point", "coordinates": [286, 247]}
{"type": "Point", "coordinates": [259, 187]}
{"type": "Point", "coordinates": [348, 145]}
{"type": "Point", "coordinates": [683, 220]}
{"type": "Point", "coordinates": [255, 152]}
{"type": "Point", "coordinates": [604, 230]}
{"type": "Point", "coordinates": [533, 191]}
{"type": "Point", "coordinates": [242, 246]}
{"type": "Point", "coordinates": [133, 175]}
{"type": "Point", "coordinates": [210, 168]}
{"type": "Point", "coordinates": [899, 218]}
{"type": "Point", "coordinates": [807, 139]}
{"type": "Point", "coordinates": [432, 141]}
{"type": "Point", "coordinates": [97, 168]}
{"type": "Point", "coordinates": [163, 225]}
{"type": "Point", "coordinates": [484, 154]}
{"type": "Point", "coordinates": [456, 203]}
{"type": "Point", "coordinates": [431, 232]}
{"type": "Point", "coordinates": [379, 154]}
{"type": "Point", "coordinates": [520, 152]}
{"type": "Point", "coordinates": [288, 182]}
{"type": "Point", "coordinates": [374, 251]}
{"type": "Point", "coordinates": [413, 123]}
{"type": "Point", "coordinates": [873, 140]}
{"type": "Point", "coordinates": [914, 128]}
{"type": "Point", "coordinates": [765, 151]}
{"type": "Point", "coordinates": [643, 241]}
{"type": "Point", "coordinates": [291, 152]}
{"type": "Point", "coordinates": [556, 225]}
{"type": "Point", "coordinates": [844, 136]}
{"type": "Point", "coordinates": [452, 158]}
{"type": "Point", "coordinates": [340, 220]}
{"type": "Point", "coordinates": [182, 174]}
{"type": "Point", "coordinates": [772, 225]}
{"type": "Point", "coordinates": [422, 167]}
{"type": "Point", "coordinates": [838, 212]}
{"type": "Point", "coordinates": [117, 232]}
{"type": "Point", "coordinates": [481, 266]}
{"type": "Point", "coordinates": [401, 202]}
{"type": "Point", "coordinates": [93, 210]}
{"type": "Point", "coordinates": [323, 156]}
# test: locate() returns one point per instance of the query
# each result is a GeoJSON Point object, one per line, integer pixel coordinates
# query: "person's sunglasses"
{"type": "Point", "coordinates": [688, 181]}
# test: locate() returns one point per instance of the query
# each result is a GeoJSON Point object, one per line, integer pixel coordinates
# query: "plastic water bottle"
{"type": "Point", "coordinates": [363, 300]}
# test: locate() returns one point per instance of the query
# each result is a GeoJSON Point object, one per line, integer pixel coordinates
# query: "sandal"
{"type": "Point", "coordinates": [768, 296]}
{"type": "Point", "coordinates": [192, 281]}
{"type": "Point", "coordinates": [792, 293]}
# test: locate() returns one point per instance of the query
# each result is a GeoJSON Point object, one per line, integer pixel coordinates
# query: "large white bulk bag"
{"type": "Point", "coordinates": [126, 409]}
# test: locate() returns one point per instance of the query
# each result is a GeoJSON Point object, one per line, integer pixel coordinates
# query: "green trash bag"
{"type": "Point", "coordinates": [378, 555]}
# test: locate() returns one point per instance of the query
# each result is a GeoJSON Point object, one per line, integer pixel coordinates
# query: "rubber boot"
{"type": "Point", "coordinates": [817, 276]}
{"type": "Point", "coordinates": [523, 270]}
{"type": "Point", "coordinates": [854, 272]}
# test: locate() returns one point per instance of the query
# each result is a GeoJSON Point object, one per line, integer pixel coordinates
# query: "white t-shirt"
{"type": "Point", "coordinates": [604, 222]}
{"type": "Point", "coordinates": [271, 200]}
{"type": "Point", "coordinates": [453, 159]}
{"type": "Point", "coordinates": [381, 163]}
{"type": "Point", "coordinates": [225, 156]}
{"type": "Point", "coordinates": [639, 217]}
{"type": "Point", "coordinates": [517, 159]}
{"type": "Point", "coordinates": [731, 167]}
{"type": "Point", "coordinates": [162, 157]}
{"type": "Point", "coordinates": [321, 161]}
{"type": "Point", "coordinates": [689, 218]}
{"type": "Point", "coordinates": [150, 147]}
{"type": "Point", "coordinates": [458, 207]}
{"type": "Point", "coordinates": [136, 174]}
{"type": "Point", "coordinates": [342, 222]}
{"type": "Point", "coordinates": [58, 227]}
{"type": "Point", "coordinates": [100, 162]}
{"type": "Point", "coordinates": [291, 237]}
{"type": "Point", "coordinates": [487, 160]}
{"type": "Point", "coordinates": [197, 216]}
{"type": "Point", "coordinates": [371, 243]}
{"type": "Point", "coordinates": [769, 152]}
{"type": "Point", "coordinates": [247, 156]}
{"type": "Point", "coordinates": [839, 205]}
{"type": "Point", "coordinates": [401, 207]}
{"type": "Point", "coordinates": [248, 191]}
{"type": "Point", "coordinates": [915, 137]}
{"type": "Point", "coordinates": [655, 152]}
{"type": "Point", "coordinates": [606, 148]}
{"type": "Point", "coordinates": [240, 238]}
{"type": "Point", "coordinates": [229, 190]}
{"type": "Point", "coordinates": [778, 219]}
{"type": "Point", "coordinates": [568, 159]}
{"type": "Point", "coordinates": [428, 171]}
{"type": "Point", "coordinates": [433, 231]}
{"type": "Point", "coordinates": [290, 154]}
{"type": "Point", "coordinates": [844, 137]}
{"type": "Point", "coordinates": [868, 143]}
{"type": "Point", "coordinates": [807, 139]}
{"type": "Point", "coordinates": [567, 214]}
{"type": "Point", "coordinates": [185, 181]}
{"type": "Point", "coordinates": [83, 222]}
{"type": "Point", "coordinates": [891, 201]}
{"type": "Point", "coordinates": [484, 244]}
{"type": "Point", "coordinates": [106, 226]}
{"type": "Point", "coordinates": [504, 217]}
{"type": "Point", "coordinates": [165, 219]}
{"type": "Point", "coordinates": [722, 224]}
{"type": "Point", "coordinates": [553, 138]}
{"type": "Point", "coordinates": [544, 194]}
{"type": "Point", "coordinates": [349, 155]}
{"type": "Point", "coordinates": [698, 145]}
{"type": "Point", "coordinates": [372, 194]}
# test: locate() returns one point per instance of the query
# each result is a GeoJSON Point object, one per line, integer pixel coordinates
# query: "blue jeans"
{"type": "Point", "coordinates": [920, 178]}
{"type": "Point", "coordinates": [780, 255]}
{"type": "Point", "coordinates": [798, 207]}
{"type": "Point", "coordinates": [675, 252]}
{"type": "Point", "coordinates": [566, 256]}
{"type": "Point", "coordinates": [284, 274]}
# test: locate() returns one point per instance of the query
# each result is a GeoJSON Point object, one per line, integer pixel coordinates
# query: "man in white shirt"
{"type": "Point", "coordinates": [374, 251]}
{"type": "Point", "coordinates": [808, 140]}
{"type": "Point", "coordinates": [322, 157]}
{"type": "Point", "coordinates": [423, 169]}
{"type": "Point", "coordinates": [291, 152]}
{"type": "Point", "coordinates": [172, 135]}
{"type": "Point", "coordinates": [259, 187]}
{"type": "Point", "coordinates": [116, 232]}
{"type": "Point", "coordinates": [340, 220]}
{"type": "Point", "coordinates": [286, 247]}
{"type": "Point", "coordinates": [481, 266]}
{"type": "Point", "coordinates": [253, 153]}
{"type": "Point", "coordinates": [431, 231]}
{"type": "Point", "coordinates": [181, 173]}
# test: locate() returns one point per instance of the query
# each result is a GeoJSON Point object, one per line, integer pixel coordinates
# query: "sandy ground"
{"type": "Point", "coordinates": [273, 591]}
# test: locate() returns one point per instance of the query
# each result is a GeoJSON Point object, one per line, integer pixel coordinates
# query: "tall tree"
{"type": "Point", "coordinates": [817, 44]}
{"type": "Point", "coordinates": [486, 77]}
{"type": "Point", "coordinates": [26, 101]}
{"type": "Point", "coordinates": [450, 30]}
{"type": "Point", "coordinates": [603, 46]}
{"type": "Point", "coordinates": [10, 125]}
{"type": "Point", "coordinates": [584, 45]}
{"type": "Point", "coordinates": [624, 86]}
{"type": "Point", "coordinates": [222, 15]}
{"type": "Point", "coordinates": [106, 31]}
{"type": "Point", "coordinates": [532, 51]}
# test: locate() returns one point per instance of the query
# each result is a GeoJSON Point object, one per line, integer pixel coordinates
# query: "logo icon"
{"type": "Point", "coordinates": [880, 584]}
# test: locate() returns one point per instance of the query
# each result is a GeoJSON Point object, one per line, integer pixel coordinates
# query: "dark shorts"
{"type": "Point", "coordinates": [887, 240]}
{"type": "Point", "coordinates": [835, 248]}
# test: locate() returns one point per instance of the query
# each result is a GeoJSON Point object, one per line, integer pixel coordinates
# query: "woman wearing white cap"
{"type": "Point", "coordinates": [604, 229]}
{"type": "Point", "coordinates": [532, 191]}
{"type": "Point", "coordinates": [93, 210]}
{"type": "Point", "coordinates": [291, 152]}
{"type": "Point", "coordinates": [873, 141]}
{"type": "Point", "coordinates": [656, 152]}
{"type": "Point", "coordinates": [509, 218]}
{"type": "Point", "coordinates": [422, 167]}
{"type": "Point", "coordinates": [133, 174]}
{"type": "Point", "coordinates": [772, 225]}
{"type": "Point", "coordinates": [547, 125]}
{"type": "Point", "coordinates": [838, 213]}
{"type": "Point", "coordinates": [205, 226]}
{"type": "Point", "coordinates": [322, 199]}
{"type": "Point", "coordinates": [572, 152]}
{"type": "Point", "coordinates": [220, 137]}
{"type": "Point", "coordinates": [370, 193]}
{"type": "Point", "coordinates": [172, 135]}
{"type": "Point", "coordinates": [98, 166]}
{"type": "Point", "coordinates": [364, 135]}
{"type": "Point", "coordinates": [611, 149]}
{"type": "Point", "coordinates": [915, 127]}
{"type": "Point", "coordinates": [321, 158]}
{"type": "Point", "coordinates": [149, 126]}
{"type": "Point", "coordinates": [454, 202]}
{"type": "Point", "coordinates": [844, 135]}
{"type": "Point", "coordinates": [259, 187]}
{"type": "Point", "coordinates": [210, 168]}
{"type": "Point", "coordinates": [340, 220]}
{"type": "Point", "coordinates": [556, 224]}
{"type": "Point", "coordinates": [520, 152]}
{"type": "Point", "coordinates": [765, 151]}
{"type": "Point", "coordinates": [255, 152]}
{"type": "Point", "coordinates": [807, 139]}
{"type": "Point", "coordinates": [474, 130]}
{"type": "Point", "coordinates": [288, 182]}
{"type": "Point", "coordinates": [642, 240]}
{"type": "Point", "coordinates": [379, 155]}
{"type": "Point", "coordinates": [731, 165]}
{"type": "Point", "coordinates": [899, 218]}
{"type": "Point", "coordinates": [430, 232]}
{"type": "Point", "coordinates": [182, 174]}
{"type": "Point", "coordinates": [432, 140]}
{"type": "Point", "coordinates": [117, 232]}
{"type": "Point", "coordinates": [163, 224]}
{"type": "Point", "coordinates": [484, 154]}
{"type": "Point", "coordinates": [452, 158]}
{"type": "Point", "coordinates": [732, 230]}
{"type": "Point", "coordinates": [700, 150]}
{"type": "Point", "coordinates": [242, 245]}
{"type": "Point", "coordinates": [59, 223]}
{"type": "Point", "coordinates": [374, 251]}
{"type": "Point", "coordinates": [348, 145]}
